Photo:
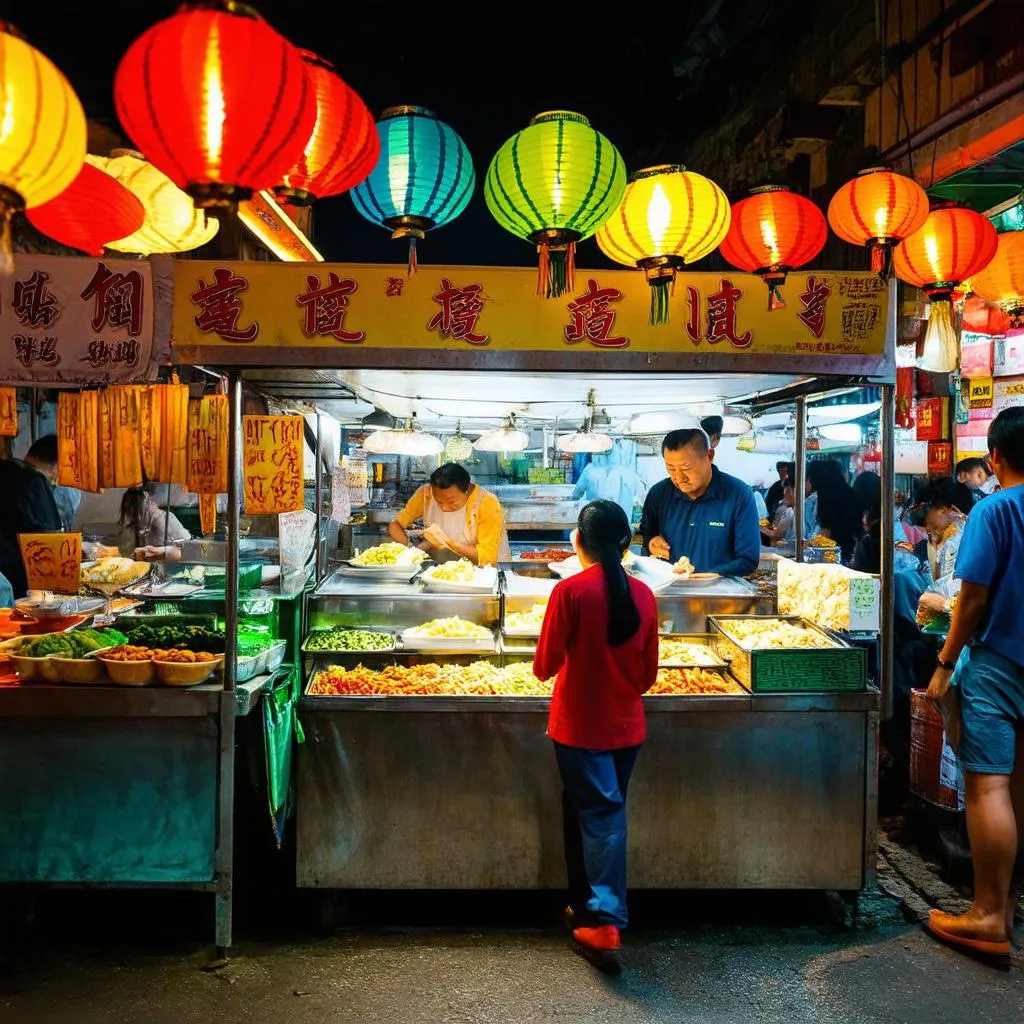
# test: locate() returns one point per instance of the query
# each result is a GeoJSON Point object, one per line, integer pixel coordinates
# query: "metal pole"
{"type": "Point", "coordinates": [800, 475]}
{"type": "Point", "coordinates": [225, 852]}
{"type": "Point", "coordinates": [887, 416]}
{"type": "Point", "coordinates": [33, 425]}
{"type": "Point", "coordinates": [319, 506]}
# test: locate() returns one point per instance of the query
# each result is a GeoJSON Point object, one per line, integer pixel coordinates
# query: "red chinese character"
{"type": "Point", "coordinates": [221, 307]}
{"type": "Point", "coordinates": [119, 299]}
{"type": "Point", "coordinates": [326, 307]}
{"type": "Point", "coordinates": [592, 320]}
{"type": "Point", "coordinates": [33, 304]}
{"type": "Point", "coordinates": [460, 310]}
{"type": "Point", "coordinates": [693, 322]}
{"type": "Point", "coordinates": [814, 300]}
{"type": "Point", "coordinates": [393, 287]}
{"type": "Point", "coordinates": [722, 317]}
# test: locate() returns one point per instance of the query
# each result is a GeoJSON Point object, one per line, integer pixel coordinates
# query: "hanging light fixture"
{"type": "Point", "coordinates": [773, 232]}
{"type": "Point", "coordinates": [217, 100]}
{"type": "Point", "coordinates": [343, 146]}
{"type": "Point", "coordinates": [954, 244]}
{"type": "Point", "coordinates": [459, 448]}
{"type": "Point", "coordinates": [507, 438]}
{"type": "Point", "coordinates": [422, 180]}
{"type": "Point", "coordinates": [42, 138]}
{"type": "Point", "coordinates": [661, 422]}
{"type": "Point", "coordinates": [379, 420]}
{"type": "Point", "coordinates": [1001, 283]}
{"type": "Point", "coordinates": [878, 209]}
{"type": "Point", "coordinates": [586, 440]}
{"type": "Point", "coordinates": [407, 441]}
{"type": "Point", "coordinates": [668, 217]}
{"type": "Point", "coordinates": [94, 210]}
{"type": "Point", "coordinates": [555, 183]}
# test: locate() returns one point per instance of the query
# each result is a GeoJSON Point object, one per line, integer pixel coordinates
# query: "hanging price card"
{"type": "Point", "coordinates": [53, 561]}
{"type": "Point", "coordinates": [8, 412]}
{"type": "Point", "coordinates": [272, 464]}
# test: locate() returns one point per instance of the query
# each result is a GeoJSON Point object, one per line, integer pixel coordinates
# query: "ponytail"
{"type": "Point", "coordinates": [604, 534]}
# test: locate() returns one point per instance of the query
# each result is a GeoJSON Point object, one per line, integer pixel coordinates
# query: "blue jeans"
{"type": "Point", "coordinates": [595, 783]}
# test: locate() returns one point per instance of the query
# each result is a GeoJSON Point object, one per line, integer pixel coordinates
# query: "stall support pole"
{"type": "Point", "coordinates": [319, 477]}
{"type": "Point", "coordinates": [799, 481]}
{"type": "Point", "coordinates": [224, 858]}
{"type": "Point", "coordinates": [888, 528]}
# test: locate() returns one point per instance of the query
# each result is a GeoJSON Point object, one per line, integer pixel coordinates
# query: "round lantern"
{"type": "Point", "coordinates": [422, 180]}
{"type": "Point", "coordinates": [1002, 282]}
{"type": "Point", "coordinates": [555, 183]}
{"type": "Point", "coordinates": [668, 217]}
{"type": "Point", "coordinates": [172, 223]}
{"type": "Point", "coordinates": [42, 138]}
{"type": "Point", "coordinates": [343, 147]}
{"type": "Point", "coordinates": [954, 244]}
{"type": "Point", "coordinates": [93, 210]}
{"type": "Point", "coordinates": [774, 231]}
{"type": "Point", "coordinates": [878, 209]}
{"type": "Point", "coordinates": [217, 100]}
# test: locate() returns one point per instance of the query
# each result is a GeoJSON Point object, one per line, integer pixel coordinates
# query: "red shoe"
{"type": "Point", "coordinates": [603, 938]}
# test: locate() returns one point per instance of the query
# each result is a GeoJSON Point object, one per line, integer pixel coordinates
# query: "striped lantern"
{"type": "Point", "coordinates": [954, 244]}
{"type": "Point", "coordinates": [555, 183]}
{"type": "Point", "coordinates": [879, 208]}
{"type": "Point", "coordinates": [668, 217]}
{"type": "Point", "coordinates": [774, 231]}
{"type": "Point", "coordinates": [217, 100]}
{"type": "Point", "coordinates": [1001, 283]}
{"type": "Point", "coordinates": [423, 179]}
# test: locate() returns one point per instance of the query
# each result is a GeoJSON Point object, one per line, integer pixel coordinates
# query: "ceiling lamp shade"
{"type": "Point", "coordinates": [507, 438]}
{"type": "Point", "coordinates": [379, 420]}
{"type": "Point", "coordinates": [555, 183]}
{"type": "Point", "coordinates": [217, 100]}
{"type": "Point", "coordinates": [954, 244]}
{"type": "Point", "coordinates": [668, 217]}
{"type": "Point", "coordinates": [42, 131]}
{"type": "Point", "coordinates": [774, 231]}
{"type": "Point", "coordinates": [423, 178]}
{"type": "Point", "coordinates": [661, 422]}
{"type": "Point", "coordinates": [878, 208]}
{"type": "Point", "coordinates": [1001, 283]}
{"type": "Point", "coordinates": [93, 210]}
{"type": "Point", "coordinates": [583, 442]}
{"type": "Point", "coordinates": [343, 146]}
{"type": "Point", "coordinates": [407, 441]}
{"type": "Point", "coordinates": [171, 223]}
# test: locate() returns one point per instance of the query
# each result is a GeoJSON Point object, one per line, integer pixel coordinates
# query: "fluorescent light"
{"type": "Point", "coordinates": [850, 432]}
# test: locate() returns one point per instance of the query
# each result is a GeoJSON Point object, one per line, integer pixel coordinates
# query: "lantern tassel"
{"type": "Point", "coordinates": [661, 289]}
{"type": "Point", "coordinates": [775, 299]}
{"type": "Point", "coordinates": [881, 261]}
{"type": "Point", "coordinates": [543, 270]}
{"type": "Point", "coordinates": [411, 267]}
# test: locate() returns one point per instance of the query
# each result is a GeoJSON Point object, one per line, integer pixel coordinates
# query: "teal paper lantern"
{"type": "Point", "coordinates": [423, 179]}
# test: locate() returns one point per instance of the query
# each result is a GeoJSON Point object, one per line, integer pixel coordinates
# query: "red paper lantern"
{"type": "Point", "coordinates": [217, 100]}
{"type": "Point", "coordinates": [774, 231]}
{"type": "Point", "coordinates": [93, 210]}
{"type": "Point", "coordinates": [343, 147]}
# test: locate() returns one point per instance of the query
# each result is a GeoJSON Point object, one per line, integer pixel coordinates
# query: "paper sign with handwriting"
{"type": "Point", "coordinates": [272, 464]}
{"type": "Point", "coordinates": [53, 561]}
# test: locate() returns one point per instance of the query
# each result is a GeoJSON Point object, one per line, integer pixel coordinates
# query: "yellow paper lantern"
{"type": "Point", "coordinates": [668, 217]}
{"type": "Point", "coordinates": [172, 223]}
{"type": "Point", "coordinates": [42, 130]}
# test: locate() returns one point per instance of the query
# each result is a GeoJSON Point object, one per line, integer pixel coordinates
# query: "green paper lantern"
{"type": "Point", "coordinates": [555, 183]}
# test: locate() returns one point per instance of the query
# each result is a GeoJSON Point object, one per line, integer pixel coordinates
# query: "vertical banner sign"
{"type": "Point", "coordinates": [272, 464]}
{"type": "Point", "coordinates": [940, 458]}
{"type": "Point", "coordinates": [53, 561]}
{"type": "Point", "coordinates": [8, 412]}
{"type": "Point", "coordinates": [208, 455]}
{"type": "Point", "coordinates": [929, 419]}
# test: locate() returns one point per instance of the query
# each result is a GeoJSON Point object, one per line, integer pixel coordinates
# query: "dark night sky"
{"type": "Point", "coordinates": [485, 72]}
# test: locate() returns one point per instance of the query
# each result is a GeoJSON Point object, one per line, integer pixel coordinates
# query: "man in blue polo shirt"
{"type": "Point", "coordinates": [700, 512]}
{"type": "Point", "coordinates": [989, 621]}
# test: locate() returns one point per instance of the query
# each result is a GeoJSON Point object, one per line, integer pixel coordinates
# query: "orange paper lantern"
{"type": "Point", "coordinates": [93, 210]}
{"type": "Point", "coordinates": [879, 208]}
{"type": "Point", "coordinates": [217, 100]}
{"type": "Point", "coordinates": [343, 146]}
{"type": "Point", "coordinates": [774, 231]}
{"type": "Point", "coordinates": [1002, 281]}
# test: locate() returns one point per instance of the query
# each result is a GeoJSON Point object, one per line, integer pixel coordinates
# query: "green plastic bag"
{"type": "Point", "coordinates": [281, 730]}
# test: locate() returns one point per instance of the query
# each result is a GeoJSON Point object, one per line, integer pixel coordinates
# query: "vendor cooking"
{"type": "Point", "coordinates": [699, 512]}
{"type": "Point", "coordinates": [460, 519]}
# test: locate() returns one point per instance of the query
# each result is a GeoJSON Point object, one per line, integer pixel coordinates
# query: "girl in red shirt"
{"type": "Point", "coordinates": [600, 640]}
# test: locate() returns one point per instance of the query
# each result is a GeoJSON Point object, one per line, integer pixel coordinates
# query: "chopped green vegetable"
{"type": "Point", "coordinates": [349, 640]}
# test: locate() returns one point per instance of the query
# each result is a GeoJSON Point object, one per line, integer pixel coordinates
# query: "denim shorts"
{"type": "Point", "coordinates": [992, 698]}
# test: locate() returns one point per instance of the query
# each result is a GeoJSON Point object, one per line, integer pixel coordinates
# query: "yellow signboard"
{"type": "Point", "coordinates": [53, 561]}
{"type": "Point", "coordinates": [237, 306]}
{"type": "Point", "coordinates": [272, 464]}
{"type": "Point", "coordinates": [981, 394]}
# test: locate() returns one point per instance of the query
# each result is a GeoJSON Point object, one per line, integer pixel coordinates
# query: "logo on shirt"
{"type": "Point", "coordinates": [712, 523]}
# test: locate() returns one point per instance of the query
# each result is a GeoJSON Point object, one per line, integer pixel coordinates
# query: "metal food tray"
{"type": "Point", "coordinates": [706, 640]}
{"type": "Point", "coordinates": [260, 664]}
{"type": "Point", "coordinates": [348, 629]}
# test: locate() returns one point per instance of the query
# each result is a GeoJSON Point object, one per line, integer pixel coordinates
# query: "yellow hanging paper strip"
{"type": "Point", "coordinates": [177, 439]}
{"type": "Point", "coordinates": [150, 428]}
{"type": "Point", "coordinates": [88, 439]}
{"type": "Point", "coordinates": [208, 445]}
{"type": "Point", "coordinates": [207, 513]}
{"type": "Point", "coordinates": [127, 440]}
{"type": "Point", "coordinates": [69, 449]}
{"type": "Point", "coordinates": [106, 428]}
{"type": "Point", "coordinates": [8, 412]}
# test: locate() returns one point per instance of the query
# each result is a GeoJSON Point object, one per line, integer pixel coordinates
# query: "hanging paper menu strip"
{"type": "Point", "coordinates": [53, 561]}
{"type": "Point", "coordinates": [150, 428]}
{"type": "Point", "coordinates": [272, 460]}
{"type": "Point", "coordinates": [88, 439]}
{"type": "Point", "coordinates": [207, 514]}
{"type": "Point", "coordinates": [8, 412]}
{"type": "Point", "coordinates": [127, 448]}
{"type": "Point", "coordinates": [208, 445]}
{"type": "Point", "coordinates": [70, 472]}
{"type": "Point", "coordinates": [105, 443]}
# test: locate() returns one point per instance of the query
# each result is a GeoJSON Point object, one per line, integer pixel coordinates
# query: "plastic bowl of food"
{"type": "Point", "coordinates": [185, 668]}
{"type": "Point", "coordinates": [128, 666]}
{"type": "Point", "coordinates": [76, 670]}
{"type": "Point", "coordinates": [30, 669]}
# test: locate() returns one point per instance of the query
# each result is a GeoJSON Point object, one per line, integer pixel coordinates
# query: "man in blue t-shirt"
{"type": "Point", "coordinates": [989, 620]}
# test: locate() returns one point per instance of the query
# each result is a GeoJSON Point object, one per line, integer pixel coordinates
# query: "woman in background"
{"type": "Point", "coordinates": [837, 508]}
{"type": "Point", "coordinates": [157, 531]}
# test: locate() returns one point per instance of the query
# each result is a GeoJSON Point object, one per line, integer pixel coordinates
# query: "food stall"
{"type": "Point", "coordinates": [426, 763]}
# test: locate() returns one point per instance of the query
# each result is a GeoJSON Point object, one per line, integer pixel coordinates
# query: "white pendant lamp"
{"type": "Point", "coordinates": [586, 440]}
{"type": "Point", "coordinates": [407, 441]}
{"type": "Point", "coordinates": [507, 438]}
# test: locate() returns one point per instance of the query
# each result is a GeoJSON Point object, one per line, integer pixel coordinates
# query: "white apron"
{"type": "Point", "coordinates": [460, 526]}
